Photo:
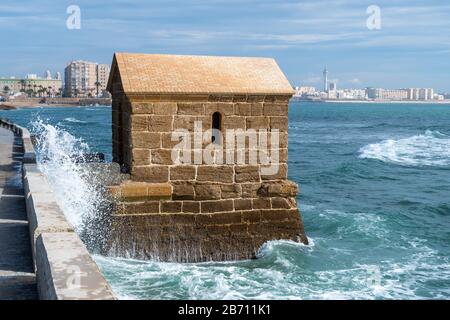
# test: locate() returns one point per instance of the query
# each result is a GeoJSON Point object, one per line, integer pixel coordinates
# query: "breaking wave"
{"type": "Point", "coordinates": [429, 149]}
{"type": "Point", "coordinates": [81, 200]}
{"type": "Point", "coordinates": [73, 120]}
{"type": "Point", "coordinates": [284, 271]}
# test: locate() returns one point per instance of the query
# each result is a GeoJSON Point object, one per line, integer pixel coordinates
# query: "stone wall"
{"type": "Point", "coordinates": [143, 127]}
{"type": "Point", "coordinates": [191, 237]}
{"type": "Point", "coordinates": [199, 211]}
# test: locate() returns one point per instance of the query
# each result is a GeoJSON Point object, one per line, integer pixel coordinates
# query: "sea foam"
{"type": "Point", "coordinates": [81, 200]}
{"type": "Point", "coordinates": [429, 149]}
{"type": "Point", "coordinates": [73, 120]}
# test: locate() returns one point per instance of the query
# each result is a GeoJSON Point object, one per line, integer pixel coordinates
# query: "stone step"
{"type": "Point", "coordinates": [17, 286]}
{"type": "Point", "coordinates": [17, 280]}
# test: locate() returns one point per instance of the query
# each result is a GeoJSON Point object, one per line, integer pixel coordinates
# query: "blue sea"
{"type": "Point", "coordinates": [374, 195]}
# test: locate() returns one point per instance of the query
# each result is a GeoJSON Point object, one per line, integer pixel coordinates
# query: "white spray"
{"type": "Point", "coordinates": [79, 199]}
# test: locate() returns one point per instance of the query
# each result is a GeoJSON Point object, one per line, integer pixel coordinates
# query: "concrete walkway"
{"type": "Point", "coordinates": [17, 280]}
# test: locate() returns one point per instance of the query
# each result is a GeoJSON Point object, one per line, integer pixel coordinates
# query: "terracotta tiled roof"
{"type": "Point", "coordinates": [177, 74]}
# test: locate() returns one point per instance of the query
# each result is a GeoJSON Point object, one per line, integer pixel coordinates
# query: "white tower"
{"type": "Point", "coordinates": [325, 80]}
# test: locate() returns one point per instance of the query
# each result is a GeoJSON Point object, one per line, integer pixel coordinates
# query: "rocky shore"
{"type": "Point", "coordinates": [6, 106]}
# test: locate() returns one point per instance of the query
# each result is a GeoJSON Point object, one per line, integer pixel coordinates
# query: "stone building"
{"type": "Point", "coordinates": [213, 198]}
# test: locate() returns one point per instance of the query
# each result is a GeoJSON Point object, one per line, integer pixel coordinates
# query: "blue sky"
{"type": "Point", "coordinates": [412, 48]}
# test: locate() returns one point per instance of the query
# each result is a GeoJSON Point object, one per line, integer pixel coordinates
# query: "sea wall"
{"type": "Point", "coordinates": [64, 268]}
{"type": "Point", "coordinates": [78, 101]}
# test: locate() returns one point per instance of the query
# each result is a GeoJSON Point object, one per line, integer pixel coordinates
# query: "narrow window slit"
{"type": "Point", "coordinates": [216, 127]}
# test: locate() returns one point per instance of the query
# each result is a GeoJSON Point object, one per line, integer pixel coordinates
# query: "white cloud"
{"type": "Point", "coordinates": [355, 81]}
{"type": "Point", "coordinates": [312, 80]}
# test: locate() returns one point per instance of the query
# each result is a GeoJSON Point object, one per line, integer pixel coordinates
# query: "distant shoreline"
{"type": "Point", "coordinates": [7, 107]}
{"type": "Point", "coordinates": [377, 101]}
{"type": "Point", "coordinates": [30, 105]}
{"type": "Point", "coordinates": [22, 105]}
{"type": "Point", "coordinates": [52, 102]}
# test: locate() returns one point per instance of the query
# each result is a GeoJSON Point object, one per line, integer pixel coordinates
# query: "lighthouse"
{"type": "Point", "coordinates": [325, 80]}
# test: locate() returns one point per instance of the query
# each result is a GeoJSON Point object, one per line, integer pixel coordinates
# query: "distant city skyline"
{"type": "Point", "coordinates": [410, 49]}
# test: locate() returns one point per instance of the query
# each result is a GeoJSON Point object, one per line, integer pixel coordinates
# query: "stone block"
{"type": "Point", "coordinates": [261, 203]}
{"type": "Point", "coordinates": [215, 173]}
{"type": "Point", "coordinates": [257, 123]}
{"type": "Point", "coordinates": [141, 108]}
{"type": "Point", "coordinates": [270, 155]}
{"type": "Point", "coordinates": [171, 206]}
{"type": "Point", "coordinates": [139, 207]}
{"type": "Point", "coordinates": [207, 192]}
{"type": "Point", "coordinates": [275, 109]}
{"type": "Point", "coordinates": [242, 204]}
{"type": "Point", "coordinates": [284, 189]}
{"type": "Point", "coordinates": [283, 155]}
{"type": "Point", "coordinates": [159, 190]}
{"type": "Point", "coordinates": [283, 140]}
{"type": "Point", "coordinates": [184, 122]}
{"type": "Point", "coordinates": [164, 108]}
{"type": "Point", "coordinates": [226, 109]}
{"type": "Point", "coordinates": [183, 192]}
{"type": "Point", "coordinates": [182, 172]}
{"type": "Point", "coordinates": [230, 191]}
{"type": "Point", "coordinates": [257, 109]}
{"type": "Point", "coordinates": [160, 123]}
{"type": "Point", "coordinates": [136, 191]}
{"type": "Point", "coordinates": [191, 108]}
{"type": "Point", "coordinates": [152, 173]}
{"type": "Point", "coordinates": [282, 203]}
{"type": "Point", "coordinates": [280, 174]}
{"type": "Point", "coordinates": [206, 122]}
{"type": "Point", "coordinates": [250, 190]}
{"type": "Point", "coordinates": [216, 206]}
{"type": "Point", "coordinates": [141, 157]}
{"type": "Point", "coordinates": [243, 109]}
{"type": "Point", "coordinates": [166, 140]}
{"type": "Point", "coordinates": [191, 206]}
{"type": "Point", "coordinates": [280, 123]}
{"type": "Point", "coordinates": [139, 123]}
{"type": "Point", "coordinates": [234, 123]}
{"type": "Point", "coordinates": [147, 140]}
{"type": "Point", "coordinates": [162, 156]}
{"type": "Point", "coordinates": [133, 190]}
{"type": "Point", "coordinates": [247, 173]}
